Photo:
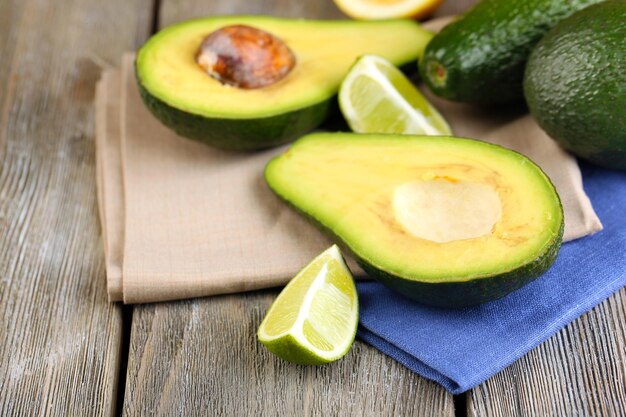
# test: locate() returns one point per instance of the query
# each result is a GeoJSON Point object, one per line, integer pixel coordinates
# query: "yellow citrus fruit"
{"type": "Point", "coordinates": [387, 9]}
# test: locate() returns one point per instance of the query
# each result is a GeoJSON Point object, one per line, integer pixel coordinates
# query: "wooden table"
{"type": "Point", "coordinates": [65, 351]}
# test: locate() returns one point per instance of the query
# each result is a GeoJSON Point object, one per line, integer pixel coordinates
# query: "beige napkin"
{"type": "Point", "coordinates": [181, 219]}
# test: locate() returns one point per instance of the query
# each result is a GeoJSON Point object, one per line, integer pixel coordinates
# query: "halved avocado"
{"type": "Point", "coordinates": [446, 221]}
{"type": "Point", "coordinates": [185, 98]}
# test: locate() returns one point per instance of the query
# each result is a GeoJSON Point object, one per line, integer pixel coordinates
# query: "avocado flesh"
{"type": "Point", "coordinates": [480, 57]}
{"type": "Point", "coordinates": [348, 185]}
{"type": "Point", "coordinates": [575, 84]}
{"type": "Point", "coordinates": [188, 100]}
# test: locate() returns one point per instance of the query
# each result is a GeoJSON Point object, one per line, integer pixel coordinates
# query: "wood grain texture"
{"type": "Point", "coordinates": [176, 10]}
{"type": "Point", "coordinates": [581, 371]}
{"type": "Point", "coordinates": [201, 357]}
{"type": "Point", "coordinates": [59, 337]}
{"type": "Point", "coordinates": [452, 7]}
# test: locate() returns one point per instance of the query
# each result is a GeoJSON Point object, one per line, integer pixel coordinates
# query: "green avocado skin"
{"type": "Point", "coordinates": [238, 134]}
{"type": "Point", "coordinates": [472, 292]}
{"type": "Point", "coordinates": [575, 84]}
{"type": "Point", "coordinates": [480, 57]}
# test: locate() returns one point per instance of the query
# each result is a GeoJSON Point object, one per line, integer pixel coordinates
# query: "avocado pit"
{"type": "Point", "coordinates": [245, 57]}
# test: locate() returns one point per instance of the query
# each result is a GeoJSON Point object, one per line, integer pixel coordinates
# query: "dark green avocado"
{"type": "Point", "coordinates": [196, 105]}
{"type": "Point", "coordinates": [575, 83]}
{"type": "Point", "coordinates": [446, 221]}
{"type": "Point", "coordinates": [480, 57]}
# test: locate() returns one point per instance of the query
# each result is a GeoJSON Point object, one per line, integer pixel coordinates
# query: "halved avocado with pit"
{"type": "Point", "coordinates": [187, 99]}
{"type": "Point", "coordinates": [446, 221]}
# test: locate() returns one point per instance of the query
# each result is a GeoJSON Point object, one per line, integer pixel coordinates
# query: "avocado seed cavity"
{"type": "Point", "coordinates": [442, 211]}
{"type": "Point", "coordinates": [245, 57]}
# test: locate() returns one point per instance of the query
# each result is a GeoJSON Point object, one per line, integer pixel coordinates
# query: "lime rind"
{"type": "Point", "coordinates": [322, 323]}
{"type": "Point", "coordinates": [375, 97]}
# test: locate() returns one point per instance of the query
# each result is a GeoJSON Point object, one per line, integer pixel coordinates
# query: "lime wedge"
{"type": "Point", "coordinates": [314, 319]}
{"type": "Point", "coordinates": [376, 97]}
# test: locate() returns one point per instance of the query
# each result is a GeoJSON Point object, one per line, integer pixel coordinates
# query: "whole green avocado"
{"type": "Point", "coordinates": [480, 57]}
{"type": "Point", "coordinates": [575, 83]}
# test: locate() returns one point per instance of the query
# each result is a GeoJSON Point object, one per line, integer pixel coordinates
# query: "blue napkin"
{"type": "Point", "coordinates": [462, 348]}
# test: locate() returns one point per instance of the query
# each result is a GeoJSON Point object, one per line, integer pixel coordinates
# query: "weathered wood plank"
{"type": "Point", "coordinates": [581, 371]}
{"type": "Point", "coordinates": [201, 357]}
{"type": "Point", "coordinates": [176, 10]}
{"type": "Point", "coordinates": [59, 337]}
{"type": "Point", "coordinates": [452, 7]}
